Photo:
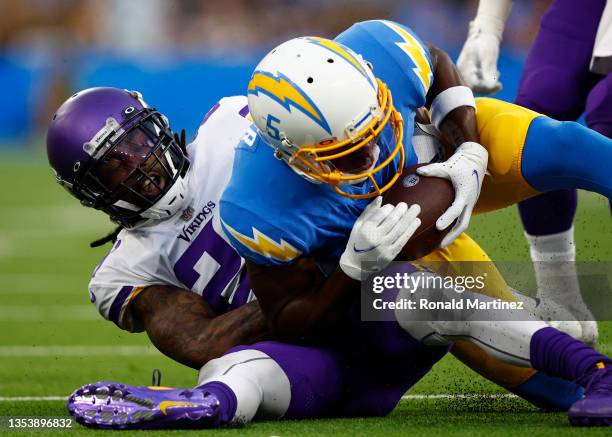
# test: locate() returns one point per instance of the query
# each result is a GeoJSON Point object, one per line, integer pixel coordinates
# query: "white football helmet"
{"type": "Point", "coordinates": [315, 101]}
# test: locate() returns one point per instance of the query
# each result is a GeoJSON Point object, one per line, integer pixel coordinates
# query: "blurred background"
{"type": "Point", "coordinates": [183, 55]}
{"type": "Point", "coordinates": [186, 54]}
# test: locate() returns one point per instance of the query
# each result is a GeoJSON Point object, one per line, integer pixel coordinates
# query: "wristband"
{"type": "Point", "coordinates": [449, 99]}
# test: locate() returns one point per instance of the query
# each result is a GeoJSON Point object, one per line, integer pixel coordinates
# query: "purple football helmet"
{"type": "Point", "coordinates": [114, 153]}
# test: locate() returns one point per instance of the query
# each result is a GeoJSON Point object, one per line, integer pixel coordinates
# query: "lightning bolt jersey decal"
{"type": "Point", "coordinates": [264, 245]}
{"type": "Point", "coordinates": [288, 94]}
{"type": "Point", "coordinates": [398, 58]}
{"type": "Point", "coordinates": [413, 48]}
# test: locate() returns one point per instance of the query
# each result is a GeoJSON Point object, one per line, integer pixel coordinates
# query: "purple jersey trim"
{"type": "Point", "coordinates": [210, 112]}
{"type": "Point", "coordinates": [115, 310]}
{"type": "Point", "coordinates": [244, 111]}
{"type": "Point", "coordinates": [115, 247]}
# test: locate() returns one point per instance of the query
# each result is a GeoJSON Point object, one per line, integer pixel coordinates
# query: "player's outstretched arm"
{"type": "Point", "coordinates": [477, 61]}
{"type": "Point", "coordinates": [452, 109]}
{"type": "Point", "coordinates": [184, 327]}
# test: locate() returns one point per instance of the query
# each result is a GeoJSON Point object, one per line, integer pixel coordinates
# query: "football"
{"type": "Point", "coordinates": [434, 195]}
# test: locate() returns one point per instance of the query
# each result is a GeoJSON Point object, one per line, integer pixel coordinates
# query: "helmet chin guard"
{"type": "Point", "coordinates": [147, 155]}
{"type": "Point", "coordinates": [314, 162]}
{"type": "Point", "coordinates": [170, 203]}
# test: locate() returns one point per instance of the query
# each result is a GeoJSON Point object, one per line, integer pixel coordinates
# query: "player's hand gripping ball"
{"type": "Point", "coordinates": [434, 195]}
{"type": "Point", "coordinates": [377, 237]}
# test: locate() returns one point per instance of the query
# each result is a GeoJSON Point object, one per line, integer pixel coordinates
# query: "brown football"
{"type": "Point", "coordinates": [434, 195]}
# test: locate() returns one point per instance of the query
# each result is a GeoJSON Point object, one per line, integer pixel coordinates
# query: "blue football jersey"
{"type": "Point", "coordinates": [272, 215]}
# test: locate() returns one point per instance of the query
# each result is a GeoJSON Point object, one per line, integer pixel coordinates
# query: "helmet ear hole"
{"type": "Point", "coordinates": [310, 80]}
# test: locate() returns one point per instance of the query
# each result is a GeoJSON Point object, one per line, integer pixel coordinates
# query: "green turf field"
{"type": "Point", "coordinates": [52, 340]}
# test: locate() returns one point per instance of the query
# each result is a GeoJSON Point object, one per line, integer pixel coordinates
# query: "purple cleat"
{"type": "Point", "coordinates": [112, 405]}
{"type": "Point", "coordinates": [595, 409]}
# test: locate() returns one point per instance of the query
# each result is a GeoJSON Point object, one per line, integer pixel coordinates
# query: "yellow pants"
{"type": "Point", "coordinates": [503, 129]}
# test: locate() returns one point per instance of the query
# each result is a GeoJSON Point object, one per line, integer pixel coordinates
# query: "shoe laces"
{"type": "Point", "coordinates": [598, 380]}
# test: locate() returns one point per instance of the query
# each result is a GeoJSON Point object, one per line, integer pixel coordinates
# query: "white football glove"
{"type": "Point", "coordinates": [378, 236]}
{"type": "Point", "coordinates": [477, 61]}
{"type": "Point", "coordinates": [466, 170]}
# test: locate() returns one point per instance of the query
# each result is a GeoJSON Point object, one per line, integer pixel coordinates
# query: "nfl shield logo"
{"type": "Point", "coordinates": [410, 181]}
{"type": "Point", "coordinates": [187, 214]}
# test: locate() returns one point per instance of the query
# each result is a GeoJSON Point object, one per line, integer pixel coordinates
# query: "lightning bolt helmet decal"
{"type": "Point", "coordinates": [288, 94]}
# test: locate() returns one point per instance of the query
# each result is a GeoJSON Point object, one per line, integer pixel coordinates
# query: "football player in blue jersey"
{"type": "Point", "coordinates": [334, 123]}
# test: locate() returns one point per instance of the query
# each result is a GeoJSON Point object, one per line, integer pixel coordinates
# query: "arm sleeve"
{"type": "Point", "coordinates": [492, 14]}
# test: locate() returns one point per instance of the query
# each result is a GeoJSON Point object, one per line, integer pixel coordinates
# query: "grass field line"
{"type": "Point", "coordinates": [48, 312]}
{"type": "Point", "coordinates": [19, 283]}
{"type": "Point", "coordinates": [419, 397]}
{"type": "Point", "coordinates": [76, 351]}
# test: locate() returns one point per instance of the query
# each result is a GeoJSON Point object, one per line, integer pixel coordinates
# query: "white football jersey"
{"type": "Point", "coordinates": [188, 250]}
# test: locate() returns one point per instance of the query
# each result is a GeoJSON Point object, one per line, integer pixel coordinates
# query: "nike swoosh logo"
{"type": "Point", "coordinates": [364, 250]}
{"type": "Point", "coordinates": [163, 406]}
{"type": "Point", "coordinates": [475, 173]}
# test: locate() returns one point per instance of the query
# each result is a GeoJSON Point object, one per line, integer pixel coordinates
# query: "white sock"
{"type": "Point", "coordinates": [261, 386]}
{"type": "Point", "coordinates": [554, 259]}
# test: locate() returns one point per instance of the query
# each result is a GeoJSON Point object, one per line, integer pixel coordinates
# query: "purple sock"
{"type": "Point", "coordinates": [559, 354]}
{"type": "Point", "coordinates": [227, 399]}
{"type": "Point", "coordinates": [549, 213]}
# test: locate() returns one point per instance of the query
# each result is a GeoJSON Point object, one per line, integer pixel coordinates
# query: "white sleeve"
{"type": "Point", "coordinates": [492, 14]}
{"type": "Point", "coordinates": [121, 275]}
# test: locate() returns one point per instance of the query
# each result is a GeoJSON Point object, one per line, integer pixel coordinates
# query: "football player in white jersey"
{"type": "Point", "coordinates": [172, 273]}
{"type": "Point", "coordinates": [115, 154]}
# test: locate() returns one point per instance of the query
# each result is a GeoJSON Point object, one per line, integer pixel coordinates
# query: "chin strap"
{"type": "Point", "coordinates": [180, 140]}
{"type": "Point", "coordinates": [110, 238]}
